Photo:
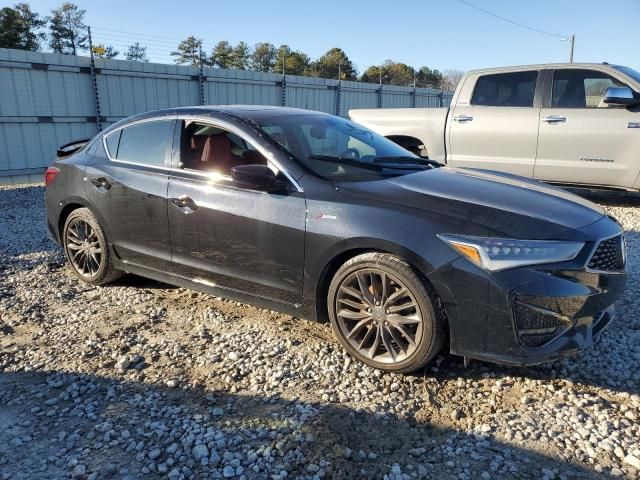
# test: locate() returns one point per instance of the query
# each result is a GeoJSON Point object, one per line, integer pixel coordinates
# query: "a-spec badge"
{"type": "Point", "coordinates": [633, 125]}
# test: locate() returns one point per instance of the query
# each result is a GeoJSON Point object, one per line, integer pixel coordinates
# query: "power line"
{"type": "Point", "coordinates": [513, 22]}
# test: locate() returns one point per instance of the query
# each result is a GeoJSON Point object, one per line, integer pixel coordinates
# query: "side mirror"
{"type": "Point", "coordinates": [257, 177]}
{"type": "Point", "coordinates": [622, 96]}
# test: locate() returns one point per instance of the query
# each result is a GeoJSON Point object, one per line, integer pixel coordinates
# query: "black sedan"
{"type": "Point", "coordinates": [318, 217]}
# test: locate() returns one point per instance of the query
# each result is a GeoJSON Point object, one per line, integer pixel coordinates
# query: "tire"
{"type": "Point", "coordinates": [399, 333]}
{"type": "Point", "coordinates": [86, 248]}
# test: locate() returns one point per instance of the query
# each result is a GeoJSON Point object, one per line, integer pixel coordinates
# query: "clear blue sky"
{"type": "Point", "coordinates": [439, 34]}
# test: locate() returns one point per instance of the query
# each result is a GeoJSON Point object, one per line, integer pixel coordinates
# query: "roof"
{"type": "Point", "coordinates": [542, 66]}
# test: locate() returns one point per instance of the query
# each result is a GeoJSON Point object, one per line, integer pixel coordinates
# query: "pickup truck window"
{"type": "Point", "coordinates": [515, 89]}
{"type": "Point", "coordinates": [573, 88]}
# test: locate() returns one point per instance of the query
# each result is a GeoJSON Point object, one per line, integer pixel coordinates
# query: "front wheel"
{"type": "Point", "coordinates": [383, 314]}
{"type": "Point", "coordinates": [86, 248]}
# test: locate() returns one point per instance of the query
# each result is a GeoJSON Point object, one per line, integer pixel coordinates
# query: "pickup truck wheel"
{"type": "Point", "coordinates": [383, 314]}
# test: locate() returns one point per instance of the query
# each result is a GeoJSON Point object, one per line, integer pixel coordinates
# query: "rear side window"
{"type": "Point", "coordinates": [144, 143]}
{"type": "Point", "coordinates": [581, 88]}
{"type": "Point", "coordinates": [515, 89]}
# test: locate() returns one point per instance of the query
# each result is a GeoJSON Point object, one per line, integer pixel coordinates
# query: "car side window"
{"type": "Point", "coordinates": [208, 148]}
{"type": "Point", "coordinates": [516, 89]}
{"type": "Point", "coordinates": [142, 143]}
{"type": "Point", "coordinates": [573, 88]}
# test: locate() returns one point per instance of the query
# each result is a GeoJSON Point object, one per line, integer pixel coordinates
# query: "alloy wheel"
{"type": "Point", "coordinates": [378, 315]}
{"type": "Point", "coordinates": [84, 248]}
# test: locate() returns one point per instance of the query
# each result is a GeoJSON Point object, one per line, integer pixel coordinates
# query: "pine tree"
{"type": "Point", "coordinates": [263, 57]}
{"type": "Point", "coordinates": [19, 28]}
{"type": "Point", "coordinates": [67, 29]}
{"type": "Point", "coordinates": [332, 64]}
{"type": "Point", "coordinates": [137, 53]}
{"type": "Point", "coordinates": [240, 56]}
{"type": "Point", "coordinates": [295, 62]}
{"type": "Point", "coordinates": [188, 52]}
{"type": "Point", "coordinates": [222, 55]}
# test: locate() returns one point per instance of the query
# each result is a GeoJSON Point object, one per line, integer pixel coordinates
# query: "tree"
{"type": "Point", "coordinates": [427, 78]}
{"type": "Point", "coordinates": [101, 51]}
{"type": "Point", "coordinates": [372, 75]}
{"type": "Point", "coordinates": [393, 73]}
{"type": "Point", "coordinates": [188, 52]}
{"type": "Point", "coordinates": [222, 55]}
{"type": "Point", "coordinates": [263, 58]}
{"type": "Point", "coordinates": [332, 63]}
{"type": "Point", "coordinates": [137, 53]}
{"type": "Point", "coordinates": [67, 29]}
{"type": "Point", "coordinates": [19, 28]}
{"type": "Point", "coordinates": [450, 79]}
{"type": "Point", "coordinates": [295, 62]}
{"type": "Point", "coordinates": [241, 56]}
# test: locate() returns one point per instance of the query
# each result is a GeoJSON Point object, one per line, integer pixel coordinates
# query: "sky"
{"type": "Point", "coordinates": [444, 34]}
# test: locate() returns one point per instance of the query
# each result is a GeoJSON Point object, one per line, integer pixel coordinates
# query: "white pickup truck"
{"type": "Point", "coordinates": [572, 124]}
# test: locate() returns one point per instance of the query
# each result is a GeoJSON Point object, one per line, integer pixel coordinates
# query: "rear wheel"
{"type": "Point", "coordinates": [383, 314]}
{"type": "Point", "coordinates": [86, 248]}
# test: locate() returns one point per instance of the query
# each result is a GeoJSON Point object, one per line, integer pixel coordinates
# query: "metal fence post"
{"type": "Point", "coordinates": [338, 97]}
{"type": "Point", "coordinates": [283, 99]}
{"type": "Point", "coordinates": [415, 97]}
{"type": "Point", "coordinates": [94, 82]}
{"type": "Point", "coordinates": [200, 76]}
{"type": "Point", "coordinates": [380, 96]}
{"type": "Point", "coordinates": [441, 97]}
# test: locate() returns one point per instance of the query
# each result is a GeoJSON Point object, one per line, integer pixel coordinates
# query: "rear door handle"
{"type": "Point", "coordinates": [462, 118]}
{"type": "Point", "coordinates": [184, 203]}
{"type": "Point", "coordinates": [102, 184]}
{"type": "Point", "coordinates": [554, 119]}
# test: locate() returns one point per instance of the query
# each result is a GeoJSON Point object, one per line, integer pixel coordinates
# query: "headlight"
{"type": "Point", "coordinates": [496, 254]}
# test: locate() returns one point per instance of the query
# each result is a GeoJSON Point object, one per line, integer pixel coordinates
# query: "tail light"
{"type": "Point", "coordinates": [50, 175]}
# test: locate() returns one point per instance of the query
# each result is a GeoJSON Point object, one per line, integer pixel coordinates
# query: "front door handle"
{"type": "Point", "coordinates": [462, 118]}
{"type": "Point", "coordinates": [554, 119]}
{"type": "Point", "coordinates": [102, 184]}
{"type": "Point", "coordinates": [184, 203]}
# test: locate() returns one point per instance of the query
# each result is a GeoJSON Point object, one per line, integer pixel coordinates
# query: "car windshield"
{"type": "Point", "coordinates": [630, 72]}
{"type": "Point", "coordinates": [338, 149]}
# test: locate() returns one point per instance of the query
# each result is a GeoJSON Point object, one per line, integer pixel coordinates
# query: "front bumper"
{"type": "Point", "coordinates": [527, 315]}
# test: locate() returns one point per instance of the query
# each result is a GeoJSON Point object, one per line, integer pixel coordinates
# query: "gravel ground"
{"type": "Point", "coordinates": [142, 380]}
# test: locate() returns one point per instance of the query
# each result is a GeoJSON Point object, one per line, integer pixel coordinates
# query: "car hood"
{"type": "Point", "coordinates": [485, 202]}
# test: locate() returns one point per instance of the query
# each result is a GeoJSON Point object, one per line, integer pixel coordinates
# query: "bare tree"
{"type": "Point", "coordinates": [450, 79]}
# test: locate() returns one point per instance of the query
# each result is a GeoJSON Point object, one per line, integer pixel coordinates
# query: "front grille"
{"type": "Point", "coordinates": [536, 326]}
{"type": "Point", "coordinates": [609, 256]}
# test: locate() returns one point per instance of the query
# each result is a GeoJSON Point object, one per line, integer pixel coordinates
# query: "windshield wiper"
{"type": "Point", "coordinates": [406, 160]}
{"type": "Point", "coordinates": [346, 161]}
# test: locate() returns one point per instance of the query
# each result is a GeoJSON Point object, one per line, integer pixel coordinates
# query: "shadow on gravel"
{"type": "Point", "coordinates": [50, 422]}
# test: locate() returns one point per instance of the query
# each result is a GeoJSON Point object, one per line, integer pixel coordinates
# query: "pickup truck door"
{"type": "Point", "coordinates": [583, 140]}
{"type": "Point", "coordinates": [494, 123]}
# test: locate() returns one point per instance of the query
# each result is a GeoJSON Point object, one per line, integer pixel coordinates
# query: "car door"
{"type": "Point", "coordinates": [582, 139]}
{"type": "Point", "coordinates": [244, 241]}
{"type": "Point", "coordinates": [494, 123]}
{"type": "Point", "coordinates": [127, 181]}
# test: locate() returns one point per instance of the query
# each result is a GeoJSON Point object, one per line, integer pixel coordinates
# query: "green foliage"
{"type": "Point", "coordinates": [189, 52]}
{"type": "Point", "coordinates": [67, 31]}
{"type": "Point", "coordinates": [333, 64]}
{"type": "Point", "coordinates": [295, 62]}
{"type": "Point", "coordinates": [241, 56]}
{"type": "Point", "coordinates": [137, 53]}
{"type": "Point", "coordinates": [263, 58]}
{"type": "Point", "coordinates": [19, 28]}
{"type": "Point", "coordinates": [222, 55]}
{"type": "Point", "coordinates": [427, 78]}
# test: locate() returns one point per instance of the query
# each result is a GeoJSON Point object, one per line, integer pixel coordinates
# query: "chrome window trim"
{"type": "Point", "coordinates": [624, 256]}
{"type": "Point", "coordinates": [272, 162]}
{"type": "Point", "coordinates": [130, 124]}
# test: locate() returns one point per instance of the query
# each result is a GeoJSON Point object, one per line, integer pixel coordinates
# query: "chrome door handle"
{"type": "Point", "coordinates": [554, 119]}
{"type": "Point", "coordinates": [184, 203]}
{"type": "Point", "coordinates": [462, 118]}
{"type": "Point", "coordinates": [102, 184]}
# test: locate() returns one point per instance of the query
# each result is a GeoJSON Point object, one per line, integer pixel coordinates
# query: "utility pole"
{"type": "Point", "coordinates": [572, 40]}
